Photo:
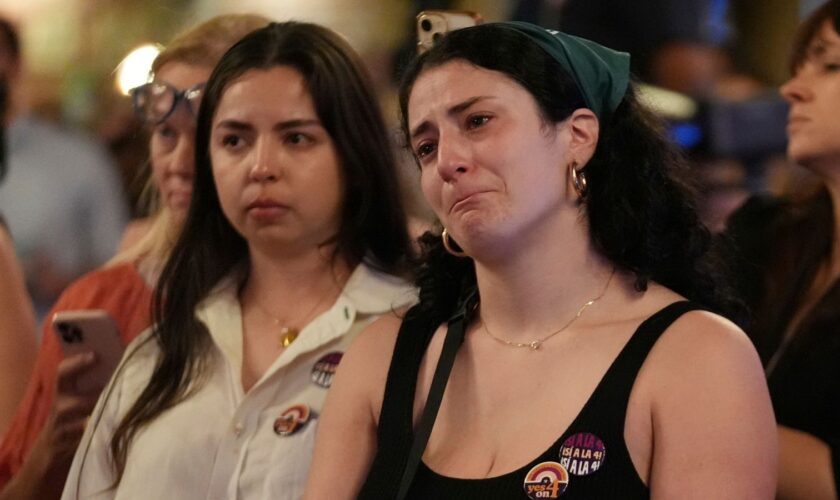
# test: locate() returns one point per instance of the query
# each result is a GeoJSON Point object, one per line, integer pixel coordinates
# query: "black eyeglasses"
{"type": "Point", "coordinates": [155, 101]}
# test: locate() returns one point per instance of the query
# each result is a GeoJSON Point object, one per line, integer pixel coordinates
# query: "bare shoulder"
{"type": "Point", "coordinates": [7, 250]}
{"type": "Point", "coordinates": [364, 368]}
{"type": "Point", "coordinates": [709, 410]}
{"type": "Point", "coordinates": [696, 335]}
{"type": "Point", "coordinates": [377, 340]}
{"type": "Point", "coordinates": [708, 337]}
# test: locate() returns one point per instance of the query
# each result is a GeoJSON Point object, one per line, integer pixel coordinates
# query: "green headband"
{"type": "Point", "coordinates": [601, 74]}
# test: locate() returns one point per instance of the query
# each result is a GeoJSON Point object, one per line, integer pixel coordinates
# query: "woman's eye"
{"type": "Point", "coordinates": [297, 138]}
{"type": "Point", "coordinates": [424, 150]}
{"type": "Point", "coordinates": [166, 132]}
{"type": "Point", "coordinates": [477, 121]}
{"type": "Point", "coordinates": [831, 67]}
{"type": "Point", "coordinates": [231, 141]}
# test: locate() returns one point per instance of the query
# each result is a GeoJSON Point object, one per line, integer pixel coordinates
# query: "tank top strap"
{"type": "Point", "coordinates": [613, 392]}
{"type": "Point", "coordinates": [396, 414]}
{"type": "Point", "coordinates": [415, 334]}
{"type": "Point", "coordinates": [395, 431]}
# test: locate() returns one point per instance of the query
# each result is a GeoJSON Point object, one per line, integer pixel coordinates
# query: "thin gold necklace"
{"type": "Point", "coordinates": [535, 344]}
{"type": "Point", "coordinates": [289, 334]}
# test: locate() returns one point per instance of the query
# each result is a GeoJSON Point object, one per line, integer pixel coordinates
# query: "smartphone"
{"type": "Point", "coordinates": [90, 330]}
{"type": "Point", "coordinates": [432, 24]}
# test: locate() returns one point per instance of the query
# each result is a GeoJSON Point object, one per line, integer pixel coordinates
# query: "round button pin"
{"type": "Point", "coordinates": [292, 419]}
{"type": "Point", "coordinates": [582, 454]}
{"type": "Point", "coordinates": [324, 369]}
{"type": "Point", "coordinates": [546, 480]}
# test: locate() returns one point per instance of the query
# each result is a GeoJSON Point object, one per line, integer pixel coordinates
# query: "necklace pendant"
{"type": "Point", "coordinates": [288, 335]}
{"type": "Point", "coordinates": [535, 345]}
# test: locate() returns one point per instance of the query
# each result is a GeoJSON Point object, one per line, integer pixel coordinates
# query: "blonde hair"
{"type": "Point", "coordinates": [202, 45]}
{"type": "Point", "coordinates": [206, 43]}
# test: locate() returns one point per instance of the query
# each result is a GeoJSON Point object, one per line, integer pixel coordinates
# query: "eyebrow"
{"type": "Point", "coordinates": [284, 125]}
{"type": "Point", "coordinates": [454, 110]}
{"type": "Point", "coordinates": [817, 47]}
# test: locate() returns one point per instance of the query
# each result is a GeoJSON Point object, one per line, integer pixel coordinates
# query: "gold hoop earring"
{"type": "Point", "coordinates": [447, 244]}
{"type": "Point", "coordinates": [578, 180]}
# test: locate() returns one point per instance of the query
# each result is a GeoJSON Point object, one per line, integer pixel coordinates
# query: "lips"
{"type": "Point", "coordinates": [266, 208]}
{"type": "Point", "coordinates": [465, 199]}
{"type": "Point", "coordinates": [265, 203]}
{"type": "Point", "coordinates": [179, 197]}
{"type": "Point", "coordinates": [797, 118]}
{"type": "Point", "coordinates": [796, 121]}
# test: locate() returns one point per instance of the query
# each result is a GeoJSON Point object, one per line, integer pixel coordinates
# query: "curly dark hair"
{"type": "Point", "coordinates": [640, 203]}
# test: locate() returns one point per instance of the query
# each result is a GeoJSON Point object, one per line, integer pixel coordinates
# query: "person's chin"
{"type": "Point", "coordinates": [820, 163]}
{"type": "Point", "coordinates": [179, 203]}
{"type": "Point", "coordinates": [179, 212]}
{"type": "Point", "coordinates": [799, 153]}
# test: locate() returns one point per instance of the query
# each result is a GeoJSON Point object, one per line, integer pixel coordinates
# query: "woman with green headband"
{"type": "Point", "coordinates": [566, 342]}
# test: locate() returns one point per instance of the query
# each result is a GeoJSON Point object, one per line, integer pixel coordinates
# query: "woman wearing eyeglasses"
{"type": "Point", "coordinates": [36, 453]}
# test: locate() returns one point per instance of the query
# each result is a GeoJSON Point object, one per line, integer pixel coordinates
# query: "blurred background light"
{"type": "Point", "coordinates": [134, 70]}
{"type": "Point", "coordinates": [667, 103]}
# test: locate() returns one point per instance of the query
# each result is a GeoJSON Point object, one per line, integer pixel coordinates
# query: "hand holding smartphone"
{"type": "Point", "coordinates": [432, 24]}
{"type": "Point", "coordinates": [91, 330]}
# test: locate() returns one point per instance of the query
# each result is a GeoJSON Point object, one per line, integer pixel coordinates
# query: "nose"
{"type": "Point", "coordinates": [184, 157]}
{"type": "Point", "coordinates": [796, 89]}
{"type": "Point", "coordinates": [265, 167]}
{"type": "Point", "coordinates": [452, 154]}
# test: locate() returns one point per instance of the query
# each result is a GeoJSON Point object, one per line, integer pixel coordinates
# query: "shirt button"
{"type": "Point", "coordinates": [238, 428]}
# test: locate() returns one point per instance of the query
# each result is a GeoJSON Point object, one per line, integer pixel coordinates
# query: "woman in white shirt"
{"type": "Point", "coordinates": [294, 241]}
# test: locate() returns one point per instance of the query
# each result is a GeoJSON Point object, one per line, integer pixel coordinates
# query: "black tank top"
{"type": "Point", "coordinates": [589, 461]}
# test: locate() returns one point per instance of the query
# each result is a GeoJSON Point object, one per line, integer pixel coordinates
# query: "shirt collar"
{"type": "Point", "coordinates": [367, 292]}
{"type": "Point", "coordinates": [373, 292]}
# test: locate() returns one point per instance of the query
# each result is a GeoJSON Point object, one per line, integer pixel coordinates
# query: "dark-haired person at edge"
{"type": "Point", "coordinates": [36, 453]}
{"type": "Point", "coordinates": [574, 275]}
{"type": "Point", "coordinates": [18, 344]}
{"type": "Point", "coordinates": [787, 257]}
{"type": "Point", "coordinates": [293, 243]}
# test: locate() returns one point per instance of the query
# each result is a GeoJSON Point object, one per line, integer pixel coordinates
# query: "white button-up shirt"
{"type": "Point", "coordinates": [221, 443]}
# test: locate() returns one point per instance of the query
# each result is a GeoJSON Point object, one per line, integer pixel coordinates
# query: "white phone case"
{"type": "Point", "coordinates": [432, 24]}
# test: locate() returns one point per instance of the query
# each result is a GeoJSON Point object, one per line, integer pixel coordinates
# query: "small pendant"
{"type": "Point", "coordinates": [535, 345]}
{"type": "Point", "coordinates": [288, 335]}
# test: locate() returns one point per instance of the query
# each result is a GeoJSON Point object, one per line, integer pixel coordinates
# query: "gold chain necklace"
{"type": "Point", "coordinates": [535, 344]}
{"type": "Point", "coordinates": [288, 334]}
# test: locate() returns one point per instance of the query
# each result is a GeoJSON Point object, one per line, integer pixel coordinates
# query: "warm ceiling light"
{"type": "Point", "coordinates": [668, 104]}
{"type": "Point", "coordinates": [135, 69]}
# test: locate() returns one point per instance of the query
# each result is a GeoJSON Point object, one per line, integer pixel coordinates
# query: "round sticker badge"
{"type": "Point", "coordinates": [291, 420]}
{"type": "Point", "coordinates": [324, 369]}
{"type": "Point", "coordinates": [546, 480]}
{"type": "Point", "coordinates": [582, 454]}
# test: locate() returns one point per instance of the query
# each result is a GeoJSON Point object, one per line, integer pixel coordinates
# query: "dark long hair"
{"type": "Point", "coordinates": [640, 208]}
{"type": "Point", "coordinates": [373, 225]}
